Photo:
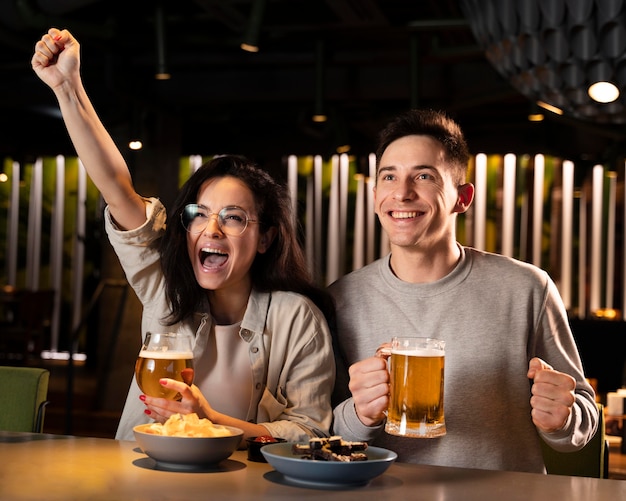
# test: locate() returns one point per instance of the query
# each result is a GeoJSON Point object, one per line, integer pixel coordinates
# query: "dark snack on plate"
{"type": "Point", "coordinates": [255, 444]}
{"type": "Point", "coordinates": [332, 449]}
{"type": "Point", "coordinates": [266, 439]}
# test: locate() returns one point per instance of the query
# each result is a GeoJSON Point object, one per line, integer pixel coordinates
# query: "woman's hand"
{"type": "Point", "coordinates": [160, 409]}
{"type": "Point", "coordinates": [56, 58]}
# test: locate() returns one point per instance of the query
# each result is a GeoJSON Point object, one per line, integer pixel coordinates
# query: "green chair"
{"type": "Point", "coordinates": [590, 461]}
{"type": "Point", "coordinates": [23, 394]}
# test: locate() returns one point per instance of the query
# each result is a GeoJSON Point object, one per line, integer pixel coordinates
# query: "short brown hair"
{"type": "Point", "coordinates": [433, 123]}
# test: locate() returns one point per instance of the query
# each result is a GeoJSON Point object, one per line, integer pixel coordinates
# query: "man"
{"type": "Point", "coordinates": [512, 373]}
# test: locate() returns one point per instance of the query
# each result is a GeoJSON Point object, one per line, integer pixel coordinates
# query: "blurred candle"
{"type": "Point", "coordinates": [480, 201]}
{"type": "Point", "coordinates": [508, 205]}
{"type": "Point", "coordinates": [538, 208]}
{"type": "Point", "coordinates": [596, 237]}
{"type": "Point", "coordinates": [358, 246]}
{"type": "Point", "coordinates": [567, 213]}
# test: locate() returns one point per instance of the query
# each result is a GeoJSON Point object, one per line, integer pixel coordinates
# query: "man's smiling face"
{"type": "Point", "coordinates": [415, 195]}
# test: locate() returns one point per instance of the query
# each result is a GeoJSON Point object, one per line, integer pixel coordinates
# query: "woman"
{"type": "Point", "coordinates": [227, 268]}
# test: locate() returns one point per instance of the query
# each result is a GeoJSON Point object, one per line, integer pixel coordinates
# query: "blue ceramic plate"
{"type": "Point", "coordinates": [327, 473]}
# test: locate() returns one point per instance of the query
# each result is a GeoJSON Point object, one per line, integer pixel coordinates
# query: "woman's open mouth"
{"type": "Point", "coordinates": [212, 258]}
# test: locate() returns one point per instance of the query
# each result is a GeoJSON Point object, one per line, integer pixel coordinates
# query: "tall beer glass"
{"type": "Point", "coordinates": [416, 389]}
{"type": "Point", "coordinates": [163, 355]}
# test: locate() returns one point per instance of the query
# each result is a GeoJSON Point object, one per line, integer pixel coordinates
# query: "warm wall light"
{"type": "Point", "coordinates": [249, 48]}
{"type": "Point", "coordinates": [603, 92]}
{"type": "Point", "coordinates": [250, 42]}
{"type": "Point", "coordinates": [135, 144]}
{"type": "Point", "coordinates": [555, 50]}
{"type": "Point", "coordinates": [535, 114]}
{"type": "Point", "coordinates": [3, 177]}
{"type": "Point", "coordinates": [549, 107]}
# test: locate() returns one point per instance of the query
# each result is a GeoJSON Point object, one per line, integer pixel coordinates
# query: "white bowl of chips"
{"type": "Point", "coordinates": [185, 442]}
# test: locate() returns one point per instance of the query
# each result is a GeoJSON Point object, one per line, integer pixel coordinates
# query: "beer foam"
{"type": "Point", "coordinates": [420, 352]}
{"type": "Point", "coordinates": [166, 355]}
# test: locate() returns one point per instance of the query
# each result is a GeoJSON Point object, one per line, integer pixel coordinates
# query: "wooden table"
{"type": "Point", "coordinates": [58, 467]}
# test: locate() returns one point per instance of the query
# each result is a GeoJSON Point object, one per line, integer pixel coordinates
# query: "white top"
{"type": "Point", "coordinates": [226, 379]}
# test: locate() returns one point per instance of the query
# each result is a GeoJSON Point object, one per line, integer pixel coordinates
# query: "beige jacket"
{"type": "Point", "coordinates": [290, 348]}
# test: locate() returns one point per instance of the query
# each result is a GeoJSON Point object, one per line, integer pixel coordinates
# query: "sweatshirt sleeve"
{"type": "Point", "coordinates": [554, 343]}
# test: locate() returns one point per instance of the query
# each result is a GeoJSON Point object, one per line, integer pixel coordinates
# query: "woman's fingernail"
{"type": "Point", "coordinates": [148, 412]}
{"type": "Point", "coordinates": [142, 398]}
{"type": "Point", "coordinates": [57, 38]}
{"type": "Point", "coordinates": [163, 382]}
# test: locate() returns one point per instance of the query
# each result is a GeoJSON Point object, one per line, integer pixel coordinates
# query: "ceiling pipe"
{"type": "Point", "coordinates": [159, 24]}
{"type": "Point", "coordinates": [319, 114]}
{"type": "Point", "coordinates": [250, 42]}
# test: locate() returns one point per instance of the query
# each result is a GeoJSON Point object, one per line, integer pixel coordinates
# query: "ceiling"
{"type": "Point", "coordinates": [373, 57]}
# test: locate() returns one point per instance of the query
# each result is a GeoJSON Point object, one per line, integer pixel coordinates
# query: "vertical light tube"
{"type": "Point", "coordinates": [596, 237]}
{"type": "Point", "coordinates": [523, 227]}
{"type": "Point", "coordinates": [13, 225]}
{"type": "Point", "coordinates": [582, 256]}
{"type": "Point", "coordinates": [508, 205]}
{"type": "Point", "coordinates": [33, 255]}
{"type": "Point", "coordinates": [624, 255]}
{"type": "Point", "coordinates": [317, 219]}
{"type": "Point", "coordinates": [538, 208]}
{"type": "Point", "coordinates": [344, 169]}
{"type": "Point", "coordinates": [567, 213]}
{"type": "Point", "coordinates": [610, 240]}
{"type": "Point", "coordinates": [56, 250]}
{"type": "Point", "coordinates": [78, 261]}
{"type": "Point", "coordinates": [195, 162]}
{"type": "Point", "coordinates": [369, 210]}
{"type": "Point", "coordinates": [309, 227]}
{"type": "Point", "coordinates": [480, 201]}
{"type": "Point", "coordinates": [292, 181]}
{"type": "Point", "coordinates": [358, 247]}
{"type": "Point", "coordinates": [332, 244]}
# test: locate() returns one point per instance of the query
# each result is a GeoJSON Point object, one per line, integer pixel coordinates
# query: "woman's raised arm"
{"type": "Point", "coordinates": [56, 62]}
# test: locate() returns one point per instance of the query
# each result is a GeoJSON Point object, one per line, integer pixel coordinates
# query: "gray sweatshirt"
{"type": "Point", "coordinates": [495, 314]}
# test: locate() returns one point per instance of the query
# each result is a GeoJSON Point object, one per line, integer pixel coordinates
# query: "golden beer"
{"type": "Point", "coordinates": [416, 393]}
{"type": "Point", "coordinates": [151, 366]}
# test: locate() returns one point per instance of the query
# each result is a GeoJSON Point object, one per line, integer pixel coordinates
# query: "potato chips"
{"type": "Point", "coordinates": [187, 425]}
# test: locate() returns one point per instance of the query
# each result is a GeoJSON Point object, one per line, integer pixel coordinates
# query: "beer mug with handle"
{"type": "Point", "coordinates": [416, 367]}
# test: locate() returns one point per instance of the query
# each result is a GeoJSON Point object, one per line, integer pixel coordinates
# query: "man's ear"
{"type": "Point", "coordinates": [466, 196]}
{"type": "Point", "coordinates": [266, 239]}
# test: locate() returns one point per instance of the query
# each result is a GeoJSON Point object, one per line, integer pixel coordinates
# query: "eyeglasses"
{"type": "Point", "coordinates": [232, 220]}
